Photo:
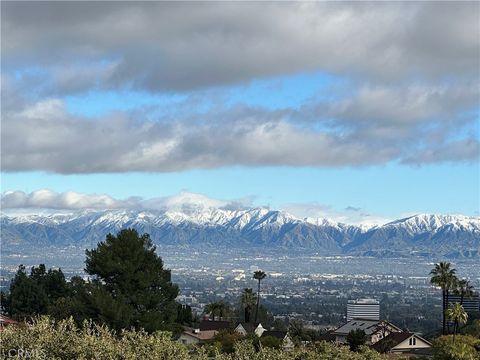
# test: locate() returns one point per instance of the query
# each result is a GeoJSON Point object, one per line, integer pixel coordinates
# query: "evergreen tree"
{"type": "Point", "coordinates": [27, 295]}
{"type": "Point", "coordinates": [356, 338]}
{"type": "Point", "coordinates": [130, 286]}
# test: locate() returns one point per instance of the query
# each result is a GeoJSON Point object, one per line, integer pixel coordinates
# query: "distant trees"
{"type": "Point", "coordinates": [457, 314]}
{"type": "Point", "coordinates": [220, 308]}
{"type": "Point", "coordinates": [224, 310]}
{"type": "Point", "coordinates": [34, 293]}
{"type": "Point", "coordinates": [356, 338]}
{"type": "Point", "coordinates": [247, 301]}
{"type": "Point", "coordinates": [444, 277]}
{"type": "Point", "coordinates": [258, 275]}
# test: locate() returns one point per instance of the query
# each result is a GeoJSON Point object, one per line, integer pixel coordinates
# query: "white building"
{"type": "Point", "coordinates": [368, 309]}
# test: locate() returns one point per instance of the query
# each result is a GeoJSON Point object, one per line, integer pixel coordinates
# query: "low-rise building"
{"type": "Point", "coordinates": [405, 343]}
{"type": "Point", "coordinates": [193, 336]}
{"type": "Point", "coordinates": [374, 329]}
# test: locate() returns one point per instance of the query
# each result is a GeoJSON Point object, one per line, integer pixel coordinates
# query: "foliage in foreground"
{"type": "Point", "coordinates": [47, 339]}
{"type": "Point", "coordinates": [465, 348]}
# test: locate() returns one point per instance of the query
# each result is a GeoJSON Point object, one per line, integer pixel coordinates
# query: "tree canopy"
{"type": "Point", "coordinates": [129, 279]}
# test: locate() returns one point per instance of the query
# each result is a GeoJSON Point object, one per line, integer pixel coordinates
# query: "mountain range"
{"type": "Point", "coordinates": [443, 235]}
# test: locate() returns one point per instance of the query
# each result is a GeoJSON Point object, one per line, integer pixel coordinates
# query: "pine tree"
{"type": "Point", "coordinates": [130, 286]}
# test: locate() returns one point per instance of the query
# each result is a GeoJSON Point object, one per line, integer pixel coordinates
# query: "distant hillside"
{"type": "Point", "coordinates": [255, 228]}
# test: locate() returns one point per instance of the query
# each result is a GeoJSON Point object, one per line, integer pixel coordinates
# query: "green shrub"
{"type": "Point", "coordinates": [64, 340]}
{"type": "Point", "coordinates": [464, 348]}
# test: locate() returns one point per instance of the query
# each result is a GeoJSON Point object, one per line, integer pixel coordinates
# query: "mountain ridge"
{"type": "Point", "coordinates": [256, 227]}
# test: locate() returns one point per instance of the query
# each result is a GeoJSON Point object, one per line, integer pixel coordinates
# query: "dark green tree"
{"type": "Point", "coordinates": [184, 314]}
{"type": "Point", "coordinates": [130, 287]}
{"type": "Point", "coordinates": [33, 294]}
{"type": "Point", "coordinates": [26, 297]}
{"type": "Point", "coordinates": [356, 338]}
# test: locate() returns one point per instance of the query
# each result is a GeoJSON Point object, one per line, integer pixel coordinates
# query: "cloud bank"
{"type": "Point", "coordinates": [409, 71]}
{"type": "Point", "coordinates": [178, 46]}
{"type": "Point", "coordinates": [71, 200]}
{"type": "Point", "coordinates": [48, 201]}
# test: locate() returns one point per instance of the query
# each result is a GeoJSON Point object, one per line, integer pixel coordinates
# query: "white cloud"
{"type": "Point", "coordinates": [45, 201]}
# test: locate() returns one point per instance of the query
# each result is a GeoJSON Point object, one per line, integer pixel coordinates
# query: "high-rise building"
{"type": "Point", "coordinates": [470, 304]}
{"type": "Point", "coordinates": [368, 309]}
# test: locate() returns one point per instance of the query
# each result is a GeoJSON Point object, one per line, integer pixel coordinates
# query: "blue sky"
{"type": "Point", "coordinates": [362, 126]}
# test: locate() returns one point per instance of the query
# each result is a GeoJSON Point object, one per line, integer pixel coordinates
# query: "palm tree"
{"type": "Point", "coordinates": [223, 309]}
{"type": "Point", "coordinates": [258, 275]}
{"type": "Point", "coordinates": [457, 314]}
{"type": "Point", "coordinates": [212, 309]}
{"type": "Point", "coordinates": [464, 289]}
{"type": "Point", "coordinates": [247, 300]}
{"type": "Point", "coordinates": [444, 277]}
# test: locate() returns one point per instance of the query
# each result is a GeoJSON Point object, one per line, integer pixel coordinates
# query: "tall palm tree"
{"type": "Point", "coordinates": [248, 300]}
{"type": "Point", "coordinates": [444, 277]}
{"type": "Point", "coordinates": [258, 275]}
{"type": "Point", "coordinates": [457, 314]}
{"type": "Point", "coordinates": [464, 289]}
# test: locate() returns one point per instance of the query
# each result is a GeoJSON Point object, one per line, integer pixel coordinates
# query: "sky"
{"type": "Point", "coordinates": [362, 112]}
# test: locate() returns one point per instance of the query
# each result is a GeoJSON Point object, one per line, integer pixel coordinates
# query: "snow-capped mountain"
{"type": "Point", "coordinates": [259, 227]}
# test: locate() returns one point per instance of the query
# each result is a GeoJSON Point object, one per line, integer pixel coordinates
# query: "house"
{"type": "Point", "coordinates": [374, 329]}
{"type": "Point", "coordinates": [206, 325]}
{"type": "Point", "coordinates": [249, 328]}
{"type": "Point", "coordinates": [403, 342]}
{"type": "Point", "coordinates": [328, 337]}
{"type": "Point", "coordinates": [6, 321]}
{"type": "Point", "coordinates": [192, 336]}
{"type": "Point", "coordinates": [287, 342]}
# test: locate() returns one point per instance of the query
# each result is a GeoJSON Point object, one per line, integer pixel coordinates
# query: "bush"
{"type": "Point", "coordinates": [464, 348]}
{"type": "Point", "coordinates": [64, 340]}
{"type": "Point", "coordinates": [271, 342]}
{"type": "Point", "coordinates": [46, 339]}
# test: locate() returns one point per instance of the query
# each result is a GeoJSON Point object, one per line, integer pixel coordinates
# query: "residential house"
{"type": "Point", "coordinates": [407, 343]}
{"type": "Point", "coordinates": [249, 328]}
{"type": "Point", "coordinates": [287, 342]}
{"type": "Point", "coordinates": [374, 329]}
{"type": "Point", "coordinates": [192, 336]}
{"type": "Point", "coordinates": [214, 325]}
